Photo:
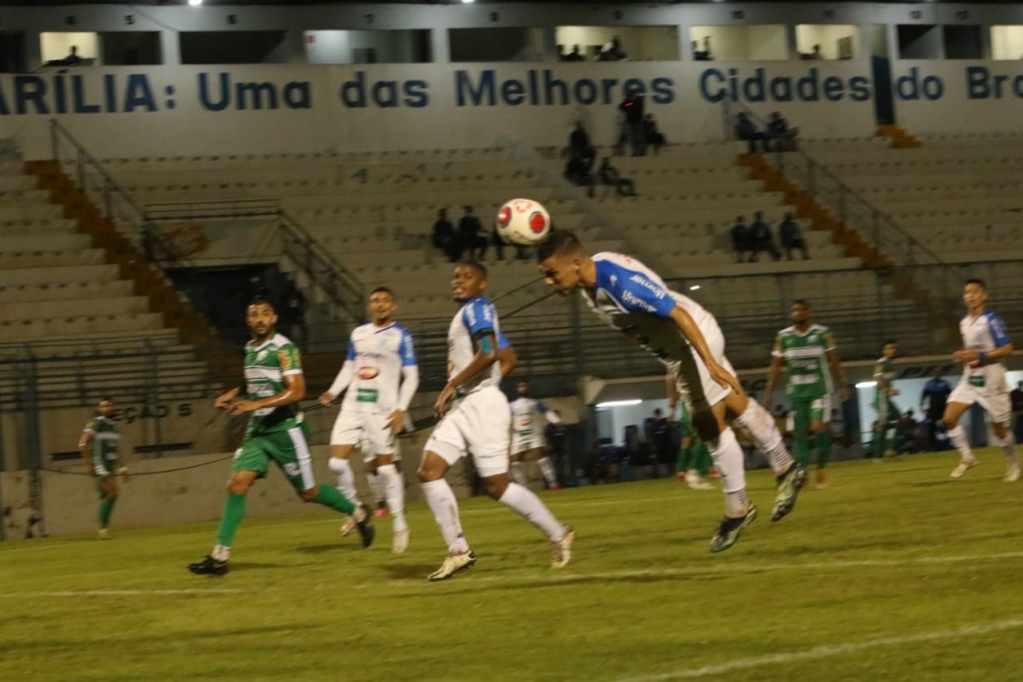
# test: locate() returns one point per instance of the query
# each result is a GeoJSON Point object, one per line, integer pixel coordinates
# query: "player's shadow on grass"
{"type": "Point", "coordinates": [409, 571]}
{"type": "Point", "coordinates": [326, 549]}
{"type": "Point", "coordinates": [986, 480]}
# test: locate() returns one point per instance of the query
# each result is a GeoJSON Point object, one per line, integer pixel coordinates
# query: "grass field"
{"type": "Point", "coordinates": [895, 572]}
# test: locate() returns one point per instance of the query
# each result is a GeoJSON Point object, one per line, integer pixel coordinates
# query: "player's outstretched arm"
{"type": "Point", "coordinates": [223, 400]}
{"type": "Point", "coordinates": [837, 374]}
{"type": "Point", "coordinates": [85, 448]}
{"type": "Point", "coordinates": [294, 390]}
{"type": "Point", "coordinates": [341, 382]}
{"type": "Point", "coordinates": [773, 372]}
{"type": "Point", "coordinates": [695, 337]}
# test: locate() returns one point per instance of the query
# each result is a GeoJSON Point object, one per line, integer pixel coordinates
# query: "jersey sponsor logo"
{"type": "Point", "coordinates": [367, 373]}
{"type": "Point", "coordinates": [648, 285]}
{"type": "Point", "coordinates": [632, 299]}
{"type": "Point", "coordinates": [261, 355]}
{"type": "Point", "coordinates": [286, 360]}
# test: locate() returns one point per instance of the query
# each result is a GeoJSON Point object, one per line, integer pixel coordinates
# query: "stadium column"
{"type": "Point", "coordinates": [170, 47]}
{"type": "Point", "coordinates": [439, 46]}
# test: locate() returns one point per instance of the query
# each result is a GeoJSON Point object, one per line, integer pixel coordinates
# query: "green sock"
{"type": "Point", "coordinates": [823, 440]}
{"type": "Point", "coordinates": [801, 447]}
{"type": "Point", "coordinates": [105, 507]}
{"type": "Point", "coordinates": [879, 444]}
{"type": "Point", "coordinates": [328, 496]}
{"type": "Point", "coordinates": [685, 456]}
{"type": "Point", "coordinates": [234, 510]}
{"type": "Point", "coordinates": [702, 461]}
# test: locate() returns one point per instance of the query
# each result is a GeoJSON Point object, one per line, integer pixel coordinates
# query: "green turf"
{"type": "Point", "coordinates": [871, 579]}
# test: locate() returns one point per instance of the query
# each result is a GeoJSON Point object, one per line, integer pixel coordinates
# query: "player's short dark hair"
{"type": "Point", "coordinates": [262, 300]}
{"type": "Point", "coordinates": [803, 302]}
{"type": "Point", "coordinates": [890, 342]}
{"type": "Point", "coordinates": [475, 265]}
{"type": "Point", "coordinates": [384, 290]}
{"type": "Point", "coordinates": [556, 243]}
{"type": "Point", "coordinates": [105, 399]}
{"type": "Point", "coordinates": [979, 282]}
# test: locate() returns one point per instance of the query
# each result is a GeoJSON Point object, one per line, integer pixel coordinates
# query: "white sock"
{"type": "Point", "coordinates": [1009, 447]}
{"type": "Point", "coordinates": [444, 506]}
{"type": "Point", "coordinates": [221, 553]}
{"type": "Point", "coordinates": [547, 469]}
{"type": "Point", "coordinates": [728, 459]}
{"type": "Point", "coordinates": [763, 431]}
{"type": "Point", "coordinates": [957, 437]}
{"type": "Point", "coordinates": [518, 473]}
{"type": "Point", "coordinates": [522, 500]}
{"type": "Point", "coordinates": [394, 490]}
{"type": "Point", "coordinates": [376, 485]}
{"type": "Point", "coordinates": [345, 478]}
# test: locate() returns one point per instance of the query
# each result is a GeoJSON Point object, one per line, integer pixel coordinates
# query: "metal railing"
{"type": "Point", "coordinates": [853, 211]}
{"type": "Point", "coordinates": [141, 224]}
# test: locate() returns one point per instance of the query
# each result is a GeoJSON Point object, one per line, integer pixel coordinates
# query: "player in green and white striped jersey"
{"type": "Point", "coordinates": [277, 432]}
{"type": "Point", "coordinates": [887, 411]}
{"type": "Point", "coordinates": [100, 441]}
{"type": "Point", "coordinates": [807, 353]}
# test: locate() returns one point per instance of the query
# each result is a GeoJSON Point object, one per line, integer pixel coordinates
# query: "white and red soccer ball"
{"type": "Point", "coordinates": [523, 222]}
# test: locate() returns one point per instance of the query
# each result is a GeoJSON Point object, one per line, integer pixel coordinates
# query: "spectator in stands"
{"type": "Point", "coordinates": [706, 49]}
{"type": "Point", "coordinates": [779, 136]}
{"type": "Point", "coordinates": [574, 56]}
{"type": "Point", "coordinates": [746, 130]}
{"type": "Point", "coordinates": [816, 55]}
{"type": "Point", "coordinates": [470, 234]}
{"type": "Point", "coordinates": [791, 237]}
{"type": "Point", "coordinates": [612, 51]}
{"type": "Point", "coordinates": [660, 442]}
{"type": "Point", "coordinates": [700, 55]}
{"type": "Point", "coordinates": [292, 314]}
{"type": "Point", "coordinates": [632, 111]}
{"type": "Point", "coordinates": [581, 155]}
{"type": "Point", "coordinates": [445, 238]}
{"type": "Point", "coordinates": [740, 239]}
{"type": "Point", "coordinates": [760, 236]}
{"type": "Point", "coordinates": [932, 404]}
{"type": "Point", "coordinates": [1017, 410]}
{"type": "Point", "coordinates": [73, 59]}
{"type": "Point", "coordinates": [654, 137]}
{"type": "Point", "coordinates": [624, 187]}
{"type": "Point", "coordinates": [499, 244]}
{"type": "Point", "coordinates": [906, 436]}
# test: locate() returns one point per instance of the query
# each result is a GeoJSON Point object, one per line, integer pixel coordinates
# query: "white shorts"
{"type": "Point", "coordinates": [371, 432]}
{"type": "Point", "coordinates": [692, 378]}
{"type": "Point", "coordinates": [478, 424]}
{"type": "Point", "coordinates": [998, 405]}
{"type": "Point", "coordinates": [525, 442]}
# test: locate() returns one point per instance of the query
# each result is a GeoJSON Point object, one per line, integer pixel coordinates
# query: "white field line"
{"type": "Point", "coordinates": [828, 651]}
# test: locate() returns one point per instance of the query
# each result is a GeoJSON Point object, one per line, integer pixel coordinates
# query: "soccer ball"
{"type": "Point", "coordinates": [523, 222]}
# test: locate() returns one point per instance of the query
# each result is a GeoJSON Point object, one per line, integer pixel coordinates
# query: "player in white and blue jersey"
{"type": "Point", "coordinates": [381, 376]}
{"type": "Point", "coordinates": [985, 343]}
{"type": "Point", "coordinates": [527, 436]}
{"type": "Point", "coordinates": [686, 338]}
{"type": "Point", "coordinates": [474, 418]}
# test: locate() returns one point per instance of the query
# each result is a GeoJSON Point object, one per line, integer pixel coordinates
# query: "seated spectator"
{"type": "Point", "coordinates": [698, 54]}
{"type": "Point", "coordinates": [73, 59]}
{"type": "Point", "coordinates": [707, 56]}
{"type": "Point", "coordinates": [624, 187]}
{"type": "Point", "coordinates": [740, 239]}
{"type": "Point", "coordinates": [654, 137]}
{"type": "Point", "coordinates": [499, 244]}
{"type": "Point", "coordinates": [444, 237]}
{"type": "Point", "coordinates": [746, 130]}
{"type": "Point", "coordinates": [581, 155]}
{"type": "Point", "coordinates": [816, 54]}
{"type": "Point", "coordinates": [779, 136]}
{"type": "Point", "coordinates": [579, 145]}
{"type": "Point", "coordinates": [574, 56]}
{"type": "Point", "coordinates": [470, 235]}
{"type": "Point", "coordinates": [760, 236]}
{"type": "Point", "coordinates": [612, 51]}
{"type": "Point", "coordinates": [791, 237]}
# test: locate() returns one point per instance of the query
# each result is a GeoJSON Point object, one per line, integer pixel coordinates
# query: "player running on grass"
{"type": "Point", "coordinates": [475, 419]}
{"type": "Point", "coordinates": [381, 375]}
{"type": "Point", "coordinates": [277, 432]}
{"type": "Point", "coordinates": [807, 353]}
{"type": "Point", "coordinates": [100, 441]}
{"type": "Point", "coordinates": [985, 343]}
{"type": "Point", "coordinates": [685, 337]}
{"type": "Point", "coordinates": [887, 411]}
{"type": "Point", "coordinates": [527, 436]}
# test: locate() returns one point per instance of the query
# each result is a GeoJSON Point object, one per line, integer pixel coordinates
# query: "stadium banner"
{"type": "Point", "coordinates": [958, 96]}
{"type": "Point", "coordinates": [209, 110]}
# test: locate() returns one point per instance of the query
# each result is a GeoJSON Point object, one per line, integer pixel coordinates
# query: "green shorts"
{"type": "Point", "coordinates": [288, 449]}
{"type": "Point", "coordinates": [887, 411]}
{"type": "Point", "coordinates": [806, 411]}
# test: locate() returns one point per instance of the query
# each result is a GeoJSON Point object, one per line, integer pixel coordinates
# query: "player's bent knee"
{"type": "Point", "coordinates": [308, 495]}
{"type": "Point", "coordinates": [432, 468]}
{"type": "Point", "coordinates": [496, 485]}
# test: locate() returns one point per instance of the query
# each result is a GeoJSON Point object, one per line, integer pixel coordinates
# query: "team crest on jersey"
{"type": "Point", "coordinates": [261, 355]}
{"type": "Point", "coordinates": [368, 372]}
